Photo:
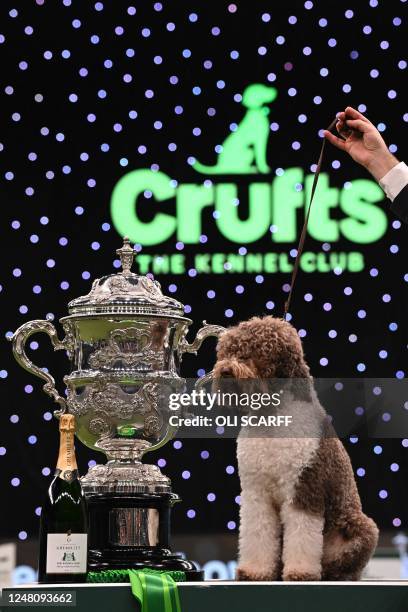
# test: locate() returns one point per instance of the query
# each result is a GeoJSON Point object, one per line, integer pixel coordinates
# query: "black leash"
{"type": "Point", "coordinates": [304, 229]}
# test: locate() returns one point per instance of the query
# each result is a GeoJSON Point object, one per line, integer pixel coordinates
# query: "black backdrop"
{"type": "Point", "coordinates": [52, 50]}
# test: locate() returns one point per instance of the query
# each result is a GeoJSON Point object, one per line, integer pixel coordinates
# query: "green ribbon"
{"type": "Point", "coordinates": [155, 590]}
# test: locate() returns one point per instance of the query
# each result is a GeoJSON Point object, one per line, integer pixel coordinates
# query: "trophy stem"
{"type": "Point", "coordinates": [124, 450]}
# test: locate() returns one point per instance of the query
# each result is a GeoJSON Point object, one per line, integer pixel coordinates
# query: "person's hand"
{"type": "Point", "coordinates": [363, 142]}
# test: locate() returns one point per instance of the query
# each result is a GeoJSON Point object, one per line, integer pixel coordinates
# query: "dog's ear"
{"type": "Point", "coordinates": [295, 369]}
{"type": "Point", "coordinates": [291, 363]}
{"type": "Point", "coordinates": [300, 368]}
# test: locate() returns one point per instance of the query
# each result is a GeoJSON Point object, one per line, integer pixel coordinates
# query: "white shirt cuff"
{"type": "Point", "coordinates": [395, 180]}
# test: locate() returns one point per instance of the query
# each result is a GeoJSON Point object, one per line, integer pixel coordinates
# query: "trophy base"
{"type": "Point", "coordinates": [153, 558]}
{"type": "Point", "coordinates": [132, 531]}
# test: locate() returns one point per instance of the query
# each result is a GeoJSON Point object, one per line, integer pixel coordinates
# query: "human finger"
{"type": "Point", "coordinates": [359, 125]}
{"type": "Point", "coordinates": [334, 140]}
{"type": "Point", "coordinates": [355, 114]}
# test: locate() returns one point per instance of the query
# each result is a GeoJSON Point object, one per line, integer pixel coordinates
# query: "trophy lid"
{"type": "Point", "coordinates": [126, 292]}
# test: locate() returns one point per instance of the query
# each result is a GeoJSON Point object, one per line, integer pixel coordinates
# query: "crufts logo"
{"type": "Point", "coordinates": [351, 212]}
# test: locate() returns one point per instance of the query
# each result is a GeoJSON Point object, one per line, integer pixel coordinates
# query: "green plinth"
{"type": "Point", "coordinates": [219, 596]}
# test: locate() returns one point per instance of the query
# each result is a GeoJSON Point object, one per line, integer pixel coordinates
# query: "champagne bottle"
{"type": "Point", "coordinates": [64, 517]}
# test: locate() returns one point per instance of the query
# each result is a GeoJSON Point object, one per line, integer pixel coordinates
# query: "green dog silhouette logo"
{"type": "Point", "coordinates": [244, 150]}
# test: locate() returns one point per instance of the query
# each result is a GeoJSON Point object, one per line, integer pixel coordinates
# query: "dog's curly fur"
{"type": "Point", "coordinates": [301, 515]}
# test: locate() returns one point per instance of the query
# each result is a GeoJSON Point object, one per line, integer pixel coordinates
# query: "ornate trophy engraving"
{"type": "Point", "coordinates": [125, 340]}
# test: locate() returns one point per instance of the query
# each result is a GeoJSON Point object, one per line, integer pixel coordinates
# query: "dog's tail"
{"type": "Point", "coordinates": [199, 167]}
{"type": "Point", "coordinates": [347, 552]}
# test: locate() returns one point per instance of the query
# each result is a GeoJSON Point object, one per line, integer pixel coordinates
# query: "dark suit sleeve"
{"type": "Point", "coordinates": [400, 204]}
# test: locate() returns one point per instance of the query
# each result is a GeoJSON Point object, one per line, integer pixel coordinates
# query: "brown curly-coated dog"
{"type": "Point", "coordinates": [300, 516]}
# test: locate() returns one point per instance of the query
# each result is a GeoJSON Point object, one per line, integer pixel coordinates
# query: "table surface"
{"type": "Point", "coordinates": [214, 596]}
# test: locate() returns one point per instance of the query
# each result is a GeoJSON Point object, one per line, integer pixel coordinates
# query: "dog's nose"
{"type": "Point", "coordinates": [226, 372]}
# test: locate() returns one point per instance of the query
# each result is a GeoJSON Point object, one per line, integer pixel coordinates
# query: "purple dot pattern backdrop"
{"type": "Point", "coordinates": [90, 91]}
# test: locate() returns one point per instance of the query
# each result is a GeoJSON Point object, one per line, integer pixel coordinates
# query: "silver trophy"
{"type": "Point", "coordinates": [125, 341]}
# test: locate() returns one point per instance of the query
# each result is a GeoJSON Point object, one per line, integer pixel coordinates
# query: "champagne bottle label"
{"type": "Point", "coordinates": [66, 553]}
{"type": "Point", "coordinates": [67, 468]}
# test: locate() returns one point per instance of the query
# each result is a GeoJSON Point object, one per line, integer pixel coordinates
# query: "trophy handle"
{"type": "Point", "coordinates": [204, 332]}
{"type": "Point", "coordinates": [19, 339]}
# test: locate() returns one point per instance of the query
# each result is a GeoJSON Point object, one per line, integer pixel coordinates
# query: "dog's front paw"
{"type": "Point", "coordinates": [300, 575]}
{"type": "Point", "coordinates": [245, 573]}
